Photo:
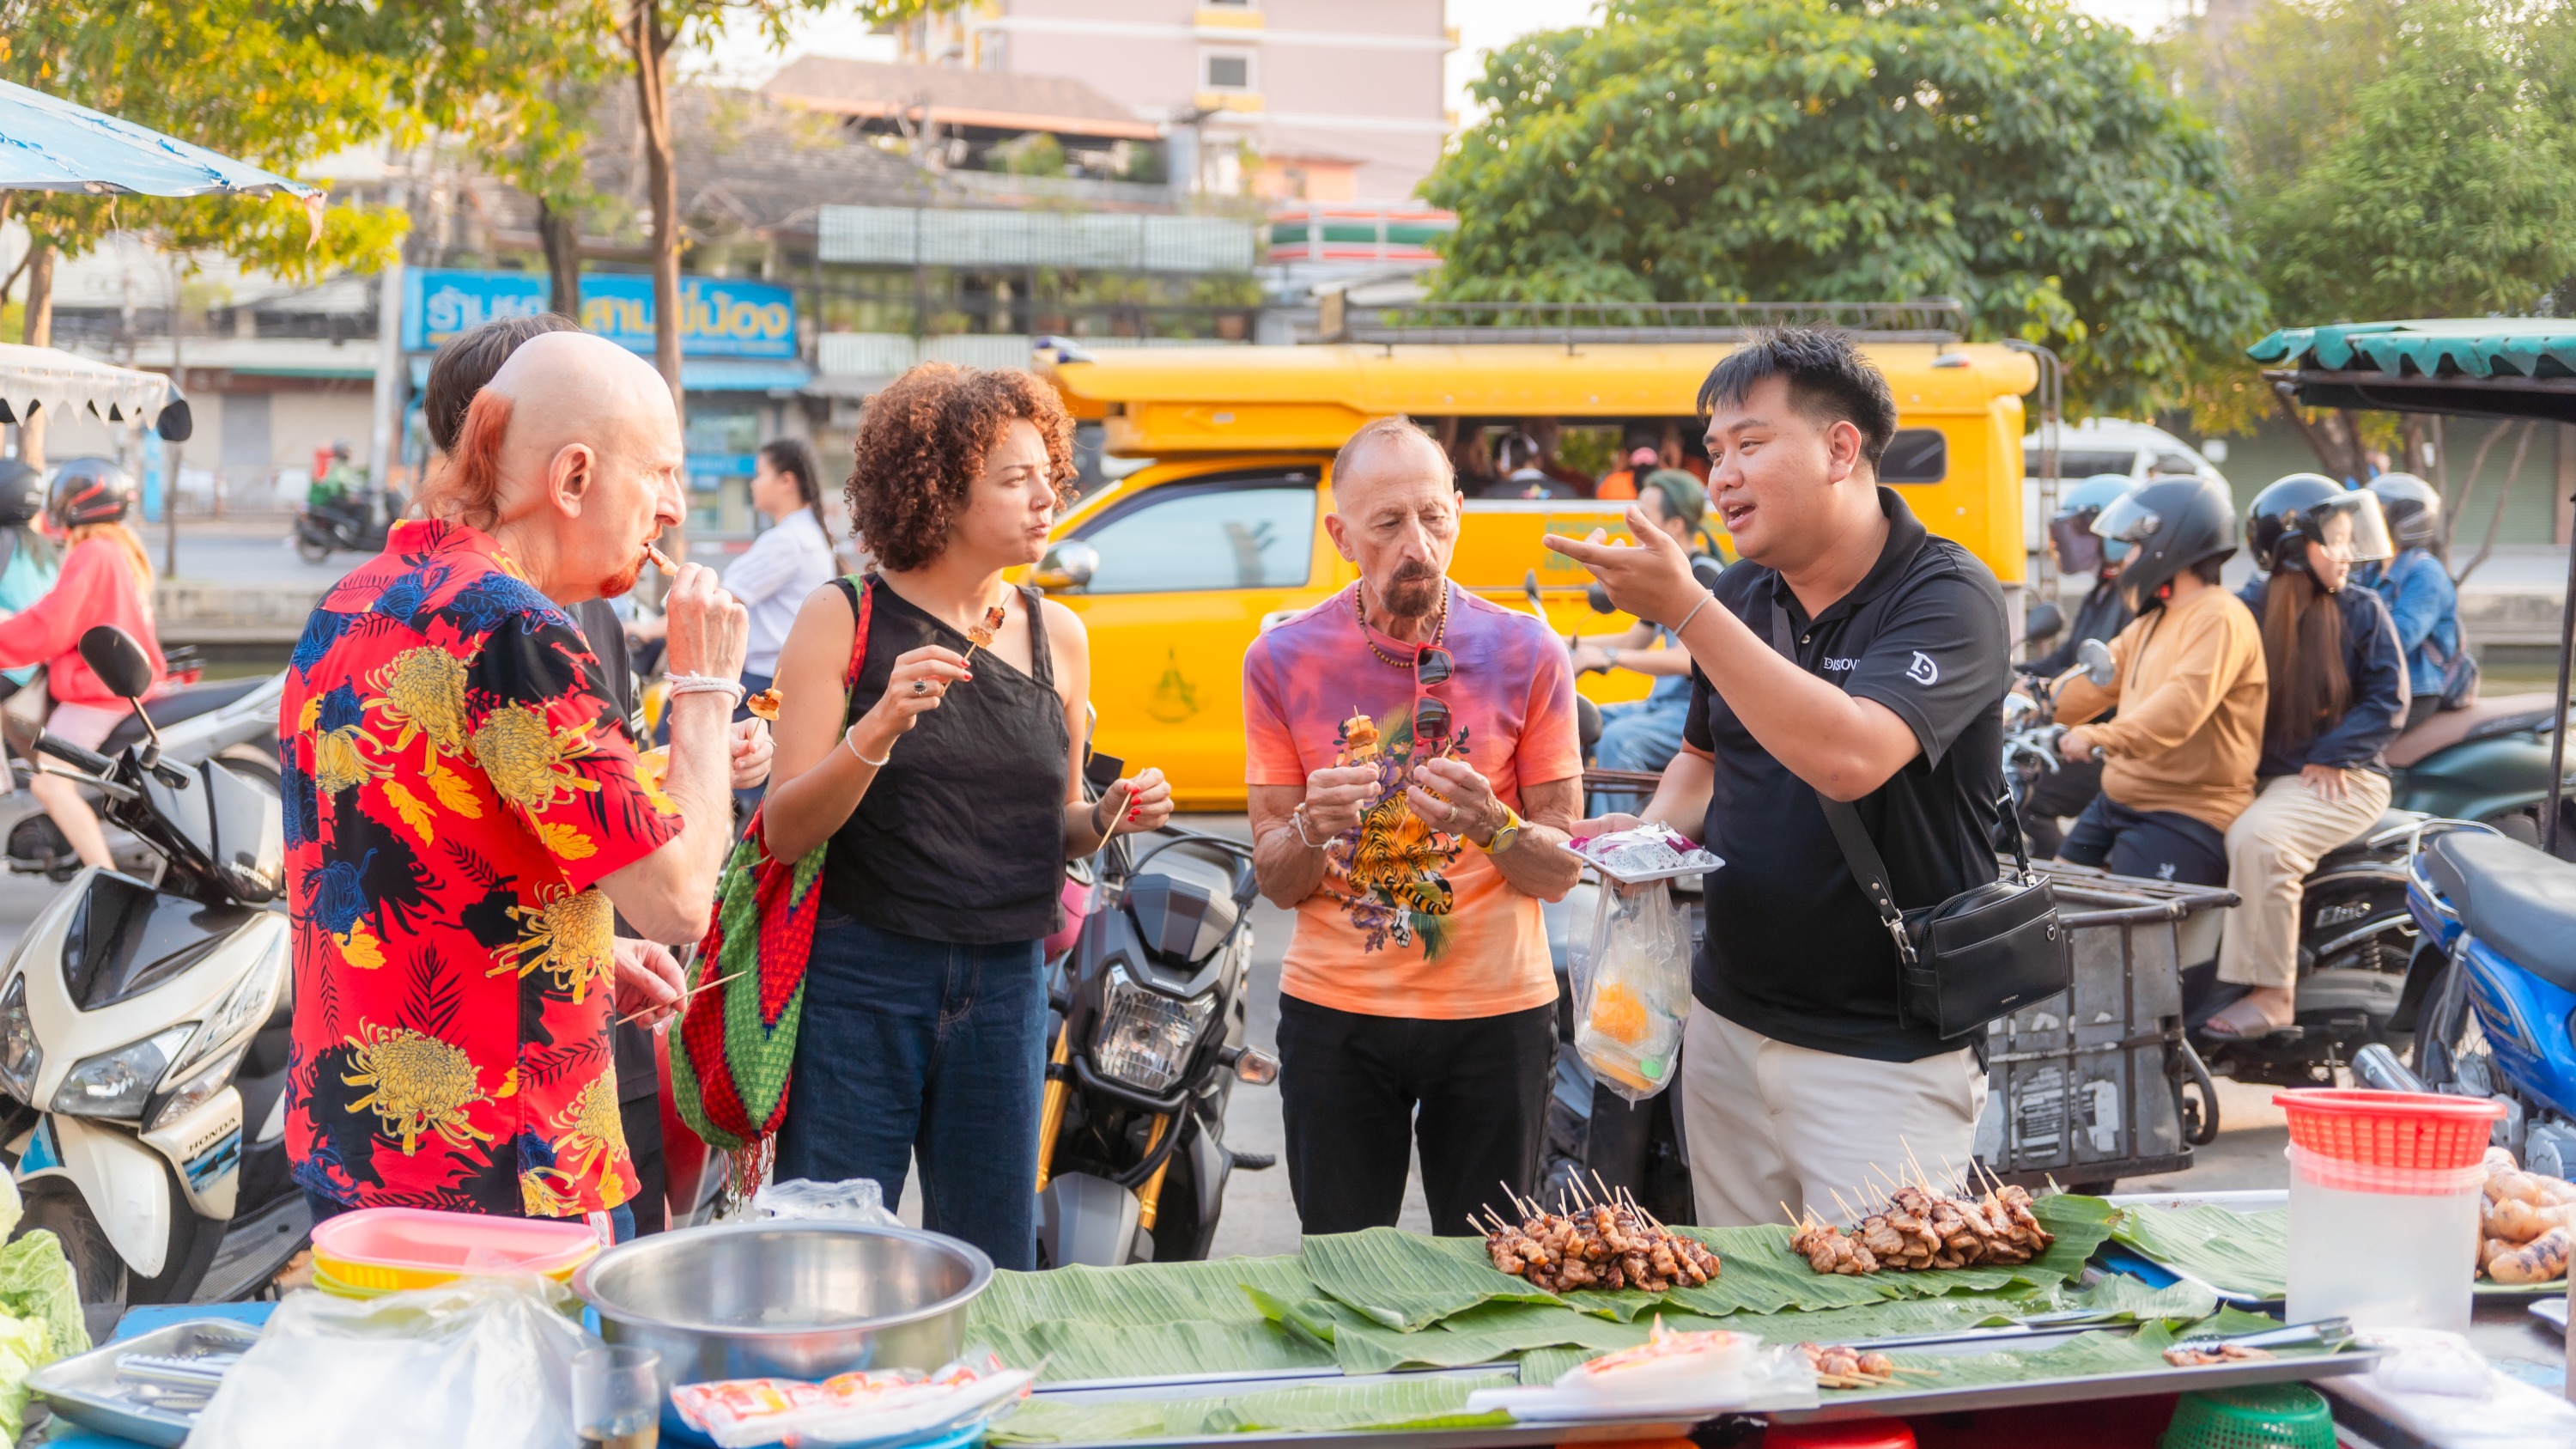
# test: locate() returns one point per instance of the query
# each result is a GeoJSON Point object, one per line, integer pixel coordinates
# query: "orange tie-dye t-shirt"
{"type": "Point", "coordinates": [1412, 921]}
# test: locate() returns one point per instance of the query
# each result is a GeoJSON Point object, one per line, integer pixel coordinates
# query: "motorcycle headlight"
{"type": "Point", "coordinates": [243, 1007]}
{"type": "Point", "coordinates": [194, 1092]}
{"type": "Point", "coordinates": [116, 1084]}
{"type": "Point", "coordinates": [20, 1057]}
{"type": "Point", "coordinates": [1144, 1037]}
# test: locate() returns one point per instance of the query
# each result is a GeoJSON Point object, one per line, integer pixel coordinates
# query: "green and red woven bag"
{"type": "Point", "coordinates": [735, 1044]}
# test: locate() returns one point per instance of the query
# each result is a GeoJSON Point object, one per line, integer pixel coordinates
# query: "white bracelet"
{"type": "Point", "coordinates": [1693, 614]}
{"type": "Point", "coordinates": [687, 684]}
{"type": "Point", "coordinates": [849, 737]}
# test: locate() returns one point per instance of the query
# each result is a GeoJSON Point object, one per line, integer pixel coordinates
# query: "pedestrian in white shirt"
{"type": "Point", "coordinates": [790, 559]}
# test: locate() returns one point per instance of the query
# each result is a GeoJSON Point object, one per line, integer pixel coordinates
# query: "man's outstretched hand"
{"type": "Point", "coordinates": [648, 981]}
{"type": "Point", "coordinates": [1650, 579]}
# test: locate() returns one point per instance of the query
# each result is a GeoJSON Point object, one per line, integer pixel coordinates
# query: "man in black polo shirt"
{"type": "Point", "coordinates": [1800, 1078]}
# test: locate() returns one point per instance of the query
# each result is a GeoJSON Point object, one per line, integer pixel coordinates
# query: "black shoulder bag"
{"type": "Point", "coordinates": [1974, 957]}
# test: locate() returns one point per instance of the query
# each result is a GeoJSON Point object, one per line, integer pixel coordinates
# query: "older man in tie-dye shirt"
{"type": "Point", "coordinates": [1413, 768]}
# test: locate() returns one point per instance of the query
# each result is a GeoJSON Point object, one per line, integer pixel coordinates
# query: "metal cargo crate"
{"type": "Point", "coordinates": [2088, 1086]}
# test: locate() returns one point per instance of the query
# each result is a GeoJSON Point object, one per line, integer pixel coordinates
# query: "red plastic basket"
{"type": "Point", "coordinates": [2390, 1129]}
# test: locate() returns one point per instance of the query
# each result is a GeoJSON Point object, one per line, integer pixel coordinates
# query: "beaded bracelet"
{"type": "Point", "coordinates": [688, 684]}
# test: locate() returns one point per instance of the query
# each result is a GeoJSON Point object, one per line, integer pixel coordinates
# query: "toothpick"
{"type": "Point", "coordinates": [1605, 1187]}
{"type": "Point", "coordinates": [683, 997]}
{"type": "Point", "coordinates": [1795, 1225]}
{"type": "Point", "coordinates": [1848, 1215]}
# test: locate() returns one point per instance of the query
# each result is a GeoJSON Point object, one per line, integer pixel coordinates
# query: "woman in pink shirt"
{"type": "Point", "coordinates": [106, 579]}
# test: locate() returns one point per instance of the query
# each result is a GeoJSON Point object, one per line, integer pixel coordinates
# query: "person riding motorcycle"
{"type": "Point", "coordinates": [2338, 696]}
{"type": "Point", "coordinates": [2102, 615]}
{"type": "Point", "coordinates": [1645, 734]}
{"type": "Point", "coordinates": [342, 495]}
{"type": "Point", "coordinates": [2416, 586]}
{"type": "Point", "coordinates": [33, 563]}
{"type": "Point", "coordinates": [2179, 760]}
{"type": "Point", "coordinates": [106, 579]}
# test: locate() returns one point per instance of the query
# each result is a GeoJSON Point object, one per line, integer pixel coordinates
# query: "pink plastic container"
{"type": "Point", "coordinates": [396, 1248]}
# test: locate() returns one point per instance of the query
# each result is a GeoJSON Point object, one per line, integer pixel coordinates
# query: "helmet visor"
{"type": "Point", "coordinates": [2079, 550]}
{"type": "Point", "coordinates": [2127, 520]}
{"type": "Point", "coordinates": [2355, 527]}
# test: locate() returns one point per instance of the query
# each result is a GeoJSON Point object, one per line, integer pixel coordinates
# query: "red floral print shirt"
{"type": "Point", "coordinates": [457, 780]}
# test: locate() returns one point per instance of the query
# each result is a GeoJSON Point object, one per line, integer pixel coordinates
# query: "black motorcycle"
{"type": "Point", "coordinates": [355, 524]}
{"type": "Point", "coordinates": [1148, 1044]}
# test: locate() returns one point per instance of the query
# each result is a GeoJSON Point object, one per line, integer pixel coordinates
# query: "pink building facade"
{"type": "Point", "coordinates": [1317, 100]}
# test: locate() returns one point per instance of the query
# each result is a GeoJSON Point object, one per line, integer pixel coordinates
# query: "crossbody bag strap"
{"type": "Point", "coordinates": [1860, 853]}
{"type": "Point", "coordinates": [862, 597]}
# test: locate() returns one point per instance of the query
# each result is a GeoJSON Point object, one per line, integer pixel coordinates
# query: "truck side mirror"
{"type": "Point", "coordinates": [1067, 567]}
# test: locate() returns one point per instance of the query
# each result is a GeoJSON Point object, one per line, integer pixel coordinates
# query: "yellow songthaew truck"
{"type": "Point", "coordinates": [1184, 561]}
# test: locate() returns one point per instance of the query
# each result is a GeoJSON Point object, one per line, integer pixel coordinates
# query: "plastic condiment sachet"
{"type": "Point", "coordinates": [851, 1408]}
{"type": "Point", "coordinates": [1647, 853]}
{"type": "Point", "coordinates": [1687, 1375]}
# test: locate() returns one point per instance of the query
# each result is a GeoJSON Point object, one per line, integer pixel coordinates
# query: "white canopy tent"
{"type": "Point", "coordinates": [61, 382]}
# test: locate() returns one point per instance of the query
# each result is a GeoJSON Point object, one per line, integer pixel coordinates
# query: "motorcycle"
{"type": "Point", "coordinates": [1151, 1004]}
{"type": "Point", "coordinates": [2493, 984]}
{"type": "Point", "coordinates": [359, 526]}
{"type": "Point", "coordinates": [2488, 763]}
{"type": "Point", "coordinates": [144, 1032]}
{"type": "Point", "coordinates": [234, 720]}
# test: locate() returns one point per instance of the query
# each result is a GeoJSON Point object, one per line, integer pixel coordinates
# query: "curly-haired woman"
{"type": "Point", "coordinates": [951, 792]}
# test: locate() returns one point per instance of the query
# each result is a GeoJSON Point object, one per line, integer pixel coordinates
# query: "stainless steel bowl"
{"type": "Point", "coordinates": [802, 1300]}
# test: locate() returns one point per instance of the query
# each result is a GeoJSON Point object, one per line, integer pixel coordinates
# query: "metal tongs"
{"type": "Point", "coordinates": [2324, 1334]}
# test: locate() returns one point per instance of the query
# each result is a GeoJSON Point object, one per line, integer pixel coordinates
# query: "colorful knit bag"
{"type": "Point", "coordinates": [734, 1044]}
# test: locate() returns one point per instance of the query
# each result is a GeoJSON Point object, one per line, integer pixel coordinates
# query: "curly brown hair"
{"type": "Point", "coordinates": [922, 446]}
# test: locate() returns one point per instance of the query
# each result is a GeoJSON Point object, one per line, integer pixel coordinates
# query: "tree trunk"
{"type": "Point", "coordinates": [650, 44]}
{"type": "Point", "coordinates": [559, 232]}
{"type": "Point", "coordinates": [2495, 516]}
{"type": "Point", "coordinates": [39, 333]}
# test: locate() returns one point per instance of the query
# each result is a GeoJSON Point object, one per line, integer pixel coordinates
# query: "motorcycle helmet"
{"type": "Point", "coordinates": [89, 490]}
{"type": "Point", "coordinates": [2170, 525]}
{"type": "Point", "coordinates": [2081, 551]}
{"type": "Point", "coordinates": [2298, 512]}
{"type": "Point", "coordinates": [22, 494]}
{"type": "Point", "coordinates": [2412, 508]}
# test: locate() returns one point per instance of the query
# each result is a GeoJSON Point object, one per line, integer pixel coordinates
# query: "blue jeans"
{"type": "Point", "coordinates": [911, 1047]}
{"type": "Point", "coordinates": [621, 1219]}
{"type": "Point", "coordinates": [1642, 734]}
{"type": "Point", "coordinates": [2152, 844]}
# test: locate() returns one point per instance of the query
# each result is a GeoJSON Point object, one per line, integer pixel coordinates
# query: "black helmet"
{"type": "Point", "coordinates": [2296, 512]}
{"type": "Point", "coordinates": [90, 490]}
{"type": "Point", "coordinates": [2413, 509]}
{"type": "Point", "coordinates": [2169, 526]}
{"type": "Point", "coordinates": [22, 494]}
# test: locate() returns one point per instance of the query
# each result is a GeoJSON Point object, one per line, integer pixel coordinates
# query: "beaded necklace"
{"type": "Point", "coordinates": [1439, 629]}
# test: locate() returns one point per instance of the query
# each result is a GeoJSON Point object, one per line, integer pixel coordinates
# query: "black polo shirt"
{"type": "Point", "coordinates": [1794, 950]}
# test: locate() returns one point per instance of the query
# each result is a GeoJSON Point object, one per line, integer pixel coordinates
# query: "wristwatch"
{"type": "Point", "coordinates": [1505, 833]}
{"type": "Point", "coordinates": [1610, 652]}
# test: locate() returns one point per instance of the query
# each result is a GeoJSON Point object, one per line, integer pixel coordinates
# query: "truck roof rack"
{"type": "Point", "coordinates": [1925, 319]}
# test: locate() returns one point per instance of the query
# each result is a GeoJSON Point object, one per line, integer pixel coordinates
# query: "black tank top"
{"type": "Point", "coordinates": [961, 836]}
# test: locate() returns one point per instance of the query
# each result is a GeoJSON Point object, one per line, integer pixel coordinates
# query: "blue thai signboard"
{"type": "Point", "coordinates": [719, 317]}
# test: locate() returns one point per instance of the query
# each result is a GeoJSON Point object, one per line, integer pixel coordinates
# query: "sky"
{"type": "Point", "coordinates": [744, 58]}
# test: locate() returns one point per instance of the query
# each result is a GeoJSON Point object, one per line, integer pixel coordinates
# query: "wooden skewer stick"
{"type": "Point", "coordinates": [1795, 1225]}
{"type": "Point", "coordinates": [683, 998]}
{"type": "Point", "coordinates": [1605, 1187]}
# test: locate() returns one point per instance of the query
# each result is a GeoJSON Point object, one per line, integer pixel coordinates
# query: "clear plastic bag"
{"type": "Point", "coordinates": [859, 1200]}
{"type": "Point", "coordinates": [1631, 981]}
{"type": "Point", "coordinates": [480, 1361]}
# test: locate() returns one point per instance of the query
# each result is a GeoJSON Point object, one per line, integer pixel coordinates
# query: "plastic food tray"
{"type": "Point", "coordinates": [85, 1390]}
{"type": "Point", "coordinates": [398, 1248]}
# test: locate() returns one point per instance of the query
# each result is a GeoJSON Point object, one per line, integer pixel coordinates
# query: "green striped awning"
{"type": "Point", "coordinates": [2480, 347]}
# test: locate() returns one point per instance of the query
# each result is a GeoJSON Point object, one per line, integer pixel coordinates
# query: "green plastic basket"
{"type": "Point", "coordinates": [2262, 1416]}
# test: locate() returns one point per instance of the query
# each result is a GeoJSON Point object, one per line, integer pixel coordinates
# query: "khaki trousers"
{"type": "Point", "coordinates": [2270, 850]}
{"type": "Point", "coordinates": [1770, 1125]}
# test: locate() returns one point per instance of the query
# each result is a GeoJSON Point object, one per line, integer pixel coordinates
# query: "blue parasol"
{"type": "Point", "coordinates": [49, 144]}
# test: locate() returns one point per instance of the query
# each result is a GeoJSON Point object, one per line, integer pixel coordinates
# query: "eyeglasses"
{"type": "Point", "coordinates": [1432, 667]}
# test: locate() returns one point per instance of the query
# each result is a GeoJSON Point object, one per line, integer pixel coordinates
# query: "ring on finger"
{"type": "Point", "coordinates": [921, 686]}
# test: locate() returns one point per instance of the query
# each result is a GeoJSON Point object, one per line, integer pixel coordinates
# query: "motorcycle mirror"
{"type": "Point", "coordinates": [1600, 599]}
{"type": "Point", "coordinates": [176, 424]}
{"type": "Point", "coordinates": [2099, 667]}
{"type": "Point", "coordinates": [2043, 624]}
{"type": "Point", "coordinates": [1257, 1067]}
{"type": "Point", "coordinates": [117, 660]}
{"type": "Point", "coordinates": [1067, 566]}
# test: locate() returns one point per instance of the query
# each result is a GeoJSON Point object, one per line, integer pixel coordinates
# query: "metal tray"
{"type": "Point", "coordinates": [84, 1388]}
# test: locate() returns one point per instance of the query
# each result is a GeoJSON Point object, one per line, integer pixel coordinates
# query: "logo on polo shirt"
{"type": "Point", "coordinates": [1923, 670]}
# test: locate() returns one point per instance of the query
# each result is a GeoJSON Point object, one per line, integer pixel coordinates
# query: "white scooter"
{"type": "Point", "coordinates": [232, 719]}
{"type": "Point", "coordinates": [144, 1024]}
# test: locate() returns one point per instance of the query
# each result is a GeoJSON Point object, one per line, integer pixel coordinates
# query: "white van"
{"type": "Point", "coordinates": [2108, 445]}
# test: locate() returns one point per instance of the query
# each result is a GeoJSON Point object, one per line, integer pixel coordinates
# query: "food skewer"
{"type": "Point", "coordinates": [660, 560]}
{"type": "Point", "coordinates": [684, 996]}
{"type": "Point", "coordinates": [979, 636]}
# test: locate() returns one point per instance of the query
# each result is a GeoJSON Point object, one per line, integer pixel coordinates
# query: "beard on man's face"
{"type": "Point", "coordinates": [1412, 591]}
{"type": "Point", "coordinates": [620, 583]}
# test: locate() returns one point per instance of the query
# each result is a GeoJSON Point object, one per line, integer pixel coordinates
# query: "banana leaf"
{"type": "Point", "coordinates": [1142, 1295]}
{"type": "Point", "coordinates": [1483, 1334]}
{"type": "Point", "coordinates": [1070, 1351]}
{"type": "Point", "coordinates": [1387, 1404]}
{"type": "Point", "coordinates": [2122, 1296]}
{"type": "Point", "coordinates": [2234, 1252]}
{"type": "Point", "coordinates": [1408, 1281]}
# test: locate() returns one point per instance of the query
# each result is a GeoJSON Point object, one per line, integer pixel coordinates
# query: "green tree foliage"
{"type": "Point", "coordinates": [2400, 158]}
{"type": "Point", "coordinates": [2007, 152]}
